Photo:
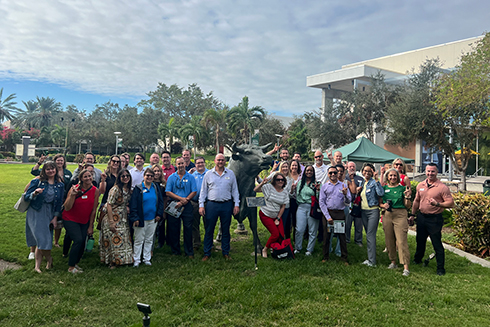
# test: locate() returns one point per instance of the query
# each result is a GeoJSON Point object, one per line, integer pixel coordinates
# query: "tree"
{"type": "Point", "coordinates": [47, 109]}
{"type": "Point", "coordinates": [58, 134]}
{"type": "Point", "coordinates": [268, 128]}
{"type": "Point", "coordinates": [26, 117]}
{"type": "Point", "coordinates": [170, 130]}
{"type": "Point", "coordinates": [297, 139]}
{"type": "Point", "coordinates": [7, 107]}
{"type": "Point", "coordinates": [216, 119]}
{"type": "Point", "coordinates": [193, 128]}
{"type": "Point", "coordinates": [243, 120]}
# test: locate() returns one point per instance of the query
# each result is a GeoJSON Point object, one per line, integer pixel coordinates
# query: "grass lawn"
{"type": "Point", "coordinates": [184, 292]}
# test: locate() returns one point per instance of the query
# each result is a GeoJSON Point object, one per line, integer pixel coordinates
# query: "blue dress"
{"type": "Point", "coordinates": [38, 232]}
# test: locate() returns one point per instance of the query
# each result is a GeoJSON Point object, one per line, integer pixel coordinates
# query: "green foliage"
{"type": "Point", "coordinates": [7, 107]}
{"type": "Point", "coordinates": [70, 157]}
{"type": "Point", "coordinates": [1, 156]}
{"type": "Point", "coordinates": [297, 139]}
{"type": "Point", "coordinates": [102, 159]}
{"type": "Point", "coordinates": [33, 159]}
{"type": "Point", "coordinates": [268, 128]}
{"type": "Point", "coordinates": [242, 120]}
{"type": "Point", "coordinates": [472, 222]}
{"type": "Point", "coordinates": [211, 152]}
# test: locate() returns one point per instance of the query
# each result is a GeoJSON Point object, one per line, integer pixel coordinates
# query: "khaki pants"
{"type": "Point", "coordinates": [395, 226]}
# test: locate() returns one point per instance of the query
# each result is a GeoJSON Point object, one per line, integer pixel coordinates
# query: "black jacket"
{"type": "Point", "coordinates": [136, 205]}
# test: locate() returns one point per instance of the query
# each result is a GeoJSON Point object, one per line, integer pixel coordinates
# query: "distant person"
{"type": "Point", "coordinates": [88, 158]}
{"type": "Point", "coordinates": [219, 198]}
{"type": "Point", "coordinates": [46, 197]}
{"type": "Point", "coordinates": [297, 156]}
{"type": "Point", "coordinates": [145, 211]}
{"type": "Point", "coordinates": [116, 248]}
{"type": "Point", "coordinates": [167, 167]}
{"type": "Point", "coordinates": [283, 155]}
{"type": "Point", "coordinates": [181, 188]}
{"type": "Point", "coordinates": [125, 160]}
{"type": "Point", "coordinates": [371, 192]}
{"type": "Point", "coordinates": [396, 201]}
{"type": "Point", "coordinates": [138, 171]}
{"type": "Point", "coordinates": [189, 165]}
{"type": "Point", "coordinates": [201, 170]}
{"type": "Point", "coordinates": [354, 181]}
{"type": "Point", "coordinates": [154, 160]}
{"type": "Point", "coordinates": [432, 198]}
{"type": "Point", "coordinates": [79, 215]}
{"type": "Point", "coordinates": [161, 184]}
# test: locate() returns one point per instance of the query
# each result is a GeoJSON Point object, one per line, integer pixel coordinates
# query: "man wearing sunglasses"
{"type": "Point", "coordinates": [320, 168]}
{"type": "Point", "coordinates": [334, 196]}
{"type": "Point", "coordinates": [219, 198]}
{"type": "Point", "coordinates": [181, 187]}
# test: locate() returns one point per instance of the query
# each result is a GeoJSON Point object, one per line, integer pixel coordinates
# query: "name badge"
{"type": "Point", "coordinates": [387, 191]}
{"type": "Point", "coordinates": [421, 189]}
{"type": "Point", "coordinates": [145, 191]}
{"type": "Point", "coordinates": [164, 174]}
{"type": "Point", "coordinates": [227, 177]}
{"type": "Point", "coordinates": [67, 176]}
{"type": "Point", "coordinates": [368, 190]}
{"type": "Point", "coordinates": [184, 180]}
{"type": "Point", "coordinates": [84, 197]}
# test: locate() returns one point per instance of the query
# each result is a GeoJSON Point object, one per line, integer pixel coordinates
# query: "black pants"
{"type": "Point", "coordinates": [291, 222]}
{"type": "Point", "coordinates": [174, 226]}
{"type": "Point", "coordinates": [78, 234]}
{"type": "Point", "coordinates": [430, 225]}
{"type": "Point", "coordinates": [336, 215]}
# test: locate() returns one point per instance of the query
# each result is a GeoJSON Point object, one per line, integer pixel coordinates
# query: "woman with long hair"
{"type": "Point", "coordinates": [304, 191]}
{"type": "Point", "coordinates": [109, 176]}
{"type": "Point", "coordinates": [396, 201]}
{"type": "Point", "coordinates": [46, 197]}
{"type": "Point", "coordinates": [116, 248]}
{"type": "Point", "coordinates": [160, 183]}
{"type": "Point", "coordinates": [79, 215]}
{"type": "Point", "coordinates": [276, 199]}
{"type": "Point", "coordinates": [371, 193]}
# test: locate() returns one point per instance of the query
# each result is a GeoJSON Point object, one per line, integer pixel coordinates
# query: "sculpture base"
{"type": "Point", "coordinates": [241, 229]}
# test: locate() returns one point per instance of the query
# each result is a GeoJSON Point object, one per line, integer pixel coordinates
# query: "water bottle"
{"type": "Point", "coordinates": [90, 244]}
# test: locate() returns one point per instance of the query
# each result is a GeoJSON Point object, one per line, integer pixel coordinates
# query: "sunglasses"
{"type": "Point", "coordinates": [116, 161]}
{"type": "Point", "coordinates": [398, 164]}
{"type": "Point", "coordinates": [318, 157]}
{"type": "Point", "coordinates": [332, 172]}
{"type": "Point", "coordinates": [280, 180]}
{"type": "Point", "coordinates": [148, 175]}
{"type": "Point", "coordinates": [125, 176]}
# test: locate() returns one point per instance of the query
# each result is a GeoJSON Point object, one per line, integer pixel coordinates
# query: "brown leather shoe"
{"type": "Point", "coordinates": [227, 257]}
{"type": "Point", "coordinates": [206, 258]}
{"type": "Point", "coordinates": [346, 263]}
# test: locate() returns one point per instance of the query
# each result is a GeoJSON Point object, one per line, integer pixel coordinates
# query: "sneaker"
{"type": "Point", "coordinates": [392, 266]}
{"type": "Point", "coordinates": [31, 256]}
{"type": "Point", "coordinates": [368, 263]}
{"type": "Point", "coordinates": [136, 264]}
{"type": "Point", "coordinates": [308, 253]}
{"type": "Point", "coordinates": [148, 263]}
{"type": "Point", "coordinates": [296, 251]}
{"type": "Point", "coordinates": [406, 272]}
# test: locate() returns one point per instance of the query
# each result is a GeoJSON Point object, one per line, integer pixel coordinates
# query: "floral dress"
{"type": "Point", "coordinates": [116, 248]}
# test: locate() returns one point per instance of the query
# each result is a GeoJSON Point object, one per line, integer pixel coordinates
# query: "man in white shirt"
{"type": "Point", "coordinates": [321, 170]}
{"type": "Point", "coordinates": [138, 171]}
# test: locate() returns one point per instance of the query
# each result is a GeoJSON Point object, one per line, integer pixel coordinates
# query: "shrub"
{"type": "Point", "coordinates": [70, 157]}
{"type": "Point", "coordinates": [211, 152]}
{"type": "Point", "coordinates": [102, 159]}
{"type": "Point", "coordinates": [176, 147]}
{"type": "Point", "coordinates": [79, 157]}
{"type": "Point", "coordinates": [1, 156]}
{"type": "Point", "coordinates": [33, 159]}
{"type": "Point", "coordinates": [472, 222]}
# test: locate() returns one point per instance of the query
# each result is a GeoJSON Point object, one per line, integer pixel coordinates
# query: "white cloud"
{"type": "Point", "coordinates": [261, 49]}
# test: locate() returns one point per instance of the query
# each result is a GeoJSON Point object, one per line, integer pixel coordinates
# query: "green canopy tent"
{"type": "Point", "coordinates": [363, 150]}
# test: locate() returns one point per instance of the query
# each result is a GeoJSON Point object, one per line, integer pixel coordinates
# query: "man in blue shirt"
{"type": "Point", "coordinates": [201, 170]}
{"type": "Point", "coordinates": [219, 198]}
{"type": "Point", "coordinates": [181, 187]}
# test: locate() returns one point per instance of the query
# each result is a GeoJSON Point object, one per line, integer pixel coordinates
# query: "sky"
{"type": "Point", "coordinates": [84, 53]}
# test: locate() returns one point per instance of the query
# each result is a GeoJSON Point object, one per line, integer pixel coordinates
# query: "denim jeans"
{"type": "Point", "coordinates": [213, 211]}
{"type": "Point", "coordinates": [303, 220]}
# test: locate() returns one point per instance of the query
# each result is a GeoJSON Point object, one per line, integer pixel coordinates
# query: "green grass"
{"type": "Point", "coordinates": [184, 292]}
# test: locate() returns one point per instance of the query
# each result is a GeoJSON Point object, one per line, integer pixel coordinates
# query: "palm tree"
{"type": "Point", "coordinates": [169, 130]}
{"type": "Point", "coordinates": [216, 118]}
{"type": "Point", "coordinates": [193, 128]}
{"type": "Point", "coordinates": [47, 108]}
{"type": "Point", "coordinates": [7, 107]}
{"type": "Point", "coordinates": [27, 116]}
{"type": "Point", "coordinates": [243, 119]}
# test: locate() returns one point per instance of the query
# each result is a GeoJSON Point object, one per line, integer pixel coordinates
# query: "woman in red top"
{"type": "Point", "coordinates": [80, 207]}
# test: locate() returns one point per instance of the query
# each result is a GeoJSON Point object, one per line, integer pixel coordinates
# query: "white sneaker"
{"type": "Point", "coordinates": [136, 264]}
{"type": "Point", "coordinates": [406, 273]}
{"type": "Point", "coordinates": [31, 256]}
{"type": "Point", "coordinates": [296, 251]}
{"type": "Point", "coordinates": [368, 263]}
{"type": "Point", "coordinates": [308, 253]}
{"type": "Point", "coordinates": [392, 266]}
{"type": "Point", "coordinates": [148, 263]}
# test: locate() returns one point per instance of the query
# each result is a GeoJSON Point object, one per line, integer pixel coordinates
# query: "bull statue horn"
{"type": "Point", "coordinates": [263, 147]}
{"type": "Point", "coordinates": [235, 148]}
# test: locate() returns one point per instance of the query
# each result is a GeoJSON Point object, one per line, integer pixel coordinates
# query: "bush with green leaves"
{"type": "Point", "coordinates": [70, 157]}
{"type": "Point", "coordinates": [472, 222]}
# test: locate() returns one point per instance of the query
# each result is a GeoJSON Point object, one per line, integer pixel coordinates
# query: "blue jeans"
{"type": "Point", "coordinates": [213, 211]}
{"type": "Point", "coordinates": [303, 219]}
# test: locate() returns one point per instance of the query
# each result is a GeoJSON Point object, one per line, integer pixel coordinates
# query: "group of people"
{"type": "Point", "coordinates": [342, 196]}
{"type": "Point", "coordinates": [145, 207]}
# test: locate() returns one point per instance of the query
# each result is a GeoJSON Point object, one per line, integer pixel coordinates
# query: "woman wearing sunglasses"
{"type": "Point", "coordinates": [276, 199]}
{"type": "Point", "coordinates": [116, 248]}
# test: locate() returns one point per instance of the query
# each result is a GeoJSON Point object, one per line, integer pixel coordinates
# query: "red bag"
{"type": "Point", "coordinates": [283, 250]}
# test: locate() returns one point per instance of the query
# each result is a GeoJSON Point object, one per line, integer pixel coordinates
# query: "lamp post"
{"type": "Point", "coordinates": [117, 140]}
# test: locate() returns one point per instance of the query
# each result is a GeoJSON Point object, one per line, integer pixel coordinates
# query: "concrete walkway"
{"type": "Point", "coordinates": [470, 257]}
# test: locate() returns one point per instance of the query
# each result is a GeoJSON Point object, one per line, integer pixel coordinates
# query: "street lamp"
{"type": "Point", "coordinates": [117, 140]}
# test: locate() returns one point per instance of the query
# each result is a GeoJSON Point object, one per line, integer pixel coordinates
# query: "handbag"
{"type": "Point", "coordinates": [356, 207]}
{"type": "Point", "coordinates": [21, 205]}
{"type": "Point", "coordinates": [315, 211]}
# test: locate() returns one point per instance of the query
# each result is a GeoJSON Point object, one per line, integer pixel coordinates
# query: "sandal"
{"type": "Point", "coordinates": [79, 269]}
{"type": "Point", "coordinates": [74, 271]}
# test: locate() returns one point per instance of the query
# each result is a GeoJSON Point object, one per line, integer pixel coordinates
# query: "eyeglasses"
{"type": "Point", "coordinates": [332, 172]}
{"type": "Point", "coordinates": [398, 164]}
{"type": "Point", "coordinates": [125, 176]}
{"type": "Point", "coordinates": [280, 180]}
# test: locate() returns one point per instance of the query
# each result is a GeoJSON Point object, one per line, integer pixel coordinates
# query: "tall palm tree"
{"type": "Point", "coordinates": [193, 128]}
{"type": "Point", "coordinates": [28, 115]}
{"type": "Point", "coordinates": [46, 111]}
{"type": "Point", "coordinates": [217, 118]}
{"type": "Point", "coordinates": [243, 119]}
{"type": "Point", "coordinates": [7, 107]}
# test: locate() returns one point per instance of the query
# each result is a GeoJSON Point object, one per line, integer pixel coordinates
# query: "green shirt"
{"type": "Point", "coordinates": [396, 195]}
{"type": "Point", "coordinates": [305, 195]}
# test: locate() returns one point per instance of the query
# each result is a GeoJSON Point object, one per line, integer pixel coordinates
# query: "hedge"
{"type": "Point", "coordinates": [472, 222]}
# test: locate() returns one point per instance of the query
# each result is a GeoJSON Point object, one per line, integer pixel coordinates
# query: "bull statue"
{"type": "Point", "coordinates": [247, 161]}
